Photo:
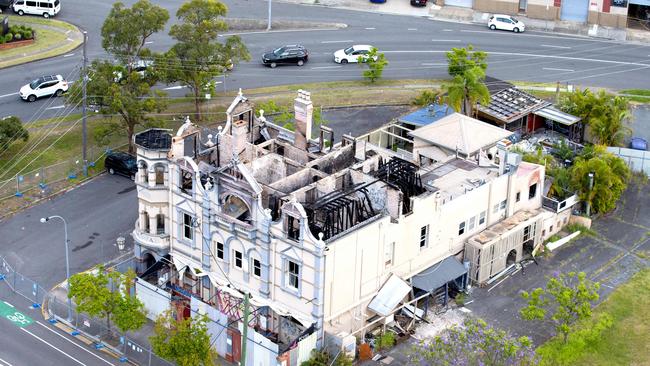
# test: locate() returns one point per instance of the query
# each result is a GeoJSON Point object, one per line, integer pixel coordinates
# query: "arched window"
{"type": "Point", "coordinates": [234, 206]}
{"type": "Point", "coordinates": [145, 222]}
{"type": "Point", "coordinates": [160, 224]}
{"type": "Point", "coordinates": [144, 172]}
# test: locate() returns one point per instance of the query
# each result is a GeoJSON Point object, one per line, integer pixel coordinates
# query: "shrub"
{"type": "Point", "coordinates": [426, 98]}
{"type": "Point", "coordinates": [572, 228]}
{"type": "Point", "coordinates": [385, 340]}
{"type": "Point", "coordinates": [9, 37]}
{"type": "Point", "coordinates": [461, 299]}
{"type": "Point", "coordinates": [18, 36]}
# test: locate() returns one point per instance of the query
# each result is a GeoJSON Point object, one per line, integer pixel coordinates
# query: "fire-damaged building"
{"type": "Point", "coordinates": [327, 239]}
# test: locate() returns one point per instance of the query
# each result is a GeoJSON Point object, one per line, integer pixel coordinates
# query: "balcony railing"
{"type": "Point", "coordinates": [149, 240]}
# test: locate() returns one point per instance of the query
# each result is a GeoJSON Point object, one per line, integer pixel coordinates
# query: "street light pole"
{"type": "Point", "coordinates": [268, 27]}
{"type": "Point", "coordinates": [67, 259]}
{"type": "Point", "coordinates": [591, 186]}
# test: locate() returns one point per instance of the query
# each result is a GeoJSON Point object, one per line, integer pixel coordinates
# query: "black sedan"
{"type": "Point", "coordinates": [289, 54]}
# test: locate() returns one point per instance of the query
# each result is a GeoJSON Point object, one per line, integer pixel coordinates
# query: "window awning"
{"type": "Point", "coordinates": [437, 275]}
{"type": "Point", "coordinates": [557, 115]}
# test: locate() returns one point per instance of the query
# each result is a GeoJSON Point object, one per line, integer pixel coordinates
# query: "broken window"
{"type": "Point", "coordinates": [160, 175]}
{"type": "Point", "coordinates": [527, 233]}
{"type": "Point", "coordinates": [239, 259]}
{"type": "Point", "coordinates": [424, 236]}
{"type": "Point", "coordinates": [293, 275]}
{"type": "Point", "coordinates": [145, 172]}
{"type": "Point", "coordinates": [293, 228]}
{"type": "Point", "coordinates": [310, 195]}
{"type": "Point", "coordinates": [220, 251]}
{"type": "Point", "coordinates": [186, 182]}
{"type": "Point", "coordinates": [257, 268]}
{"type": "Point", "coordinates": [503, 204]}
{"type": "Point", "coordinates": [145, 222]}
{"type": "Point", "coordinates": [389, 252]}
{"type": "Point", "coordinates": [160, 224]}
{"type": "Point", "coordinates": [472, 222]}
{"type": "Point", "coordinates": [532, 191]}
{"type": "Point", "coordinates": [495, 209]}
{"type": "Point", "coordinates": [518, 197]}
{"type": "Point", "coordinates": [481, 218]}
{"type": "Point", "coordinates": [188, 227]}
{"type": "Point", "coordinates": [461, 228]}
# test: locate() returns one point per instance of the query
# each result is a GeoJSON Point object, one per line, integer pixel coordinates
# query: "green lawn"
{"type": "Point", "coordinates": [626, 342]}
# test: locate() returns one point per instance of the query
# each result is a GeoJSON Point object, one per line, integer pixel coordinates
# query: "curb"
{"type": "Point", "coordinates": [58, 51]}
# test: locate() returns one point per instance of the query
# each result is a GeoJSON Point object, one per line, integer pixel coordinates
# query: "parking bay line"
{"type": "Point", "coordinates": [553, 46]}
{"type": "Point", "coordinates": [554, 69]}
{"type": "Point", "coordinates": [3, 362]}
{"type": "Point", "coordinates": [445, 40]}
{"type": "Point", "coordinates": [8, 95]}
{"type": "Point", "coordinates": [49, 344]}
{"type": "Point", "coordinates": [56, 107]}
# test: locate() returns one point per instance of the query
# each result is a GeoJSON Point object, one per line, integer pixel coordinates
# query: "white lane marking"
{"type": "Point", "coordinates": [447, 30]}
{"type": "Point", "coordinates": [536, 55]}
{"type": "Point", "coordinates": [445, 40]}
{"type": "Point", "coordinates": [68, 31]}
{"type": "Point", "coordinates": [432, 64]}
{"type": "Point", "coordinates": [8, 95]}
{"type": "Point", "coordinates": [5, 362]}
{"type": "Point", "coordinates": [369, 28]}
{"type": "Point", "coordinates": [64, 337]}
{"type": "Point", "coordinates": [554, 69]}
{"type": "Point", "coordinates": [412, 29]}
{"type": "Point", "coordinates": [68, 55]}
{"type": "Point", "coordinates": [325, 67]}
{"type": "Point", "coordinates": [344, 41]}
{"type": "Point", "coordinates": [279, 31]}
{"type": "Point", "coordinates": [56, 107]}
{"type": "Point", "coordinates": [175, 87]}
{"type": "Point", "coordinates": [70, 39]}
{"type": "Point", "coordinates": [539, 36]}
{"type": "Point", "coordinates": [8, 304]}
{"type": "Point", "coordinates": [553, 46]}
{"type": "Point", "coordinates": [148, 42]}
{"type": "Point", "coordinates": [49, 344]}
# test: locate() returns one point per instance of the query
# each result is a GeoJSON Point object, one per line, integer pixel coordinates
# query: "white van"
{"type": "Point", "coordinates": [46, 8]}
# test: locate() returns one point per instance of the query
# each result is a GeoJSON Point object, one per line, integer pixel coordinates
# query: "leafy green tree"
{"type": "Point", "coordinates": [322, 358]}
{"type": "Point", "coordinates": [130, 97]}
{"type": "Point", "coordinates": [567, 298]}
{"type": "Point", "coordinates": [561, 186]}
{"type": "Point", "coordinates": [611, 175]}
{"type": "Point", "coordinates": [467, 87]}
{"type": "Point", "coordinates": [126, 30]}
{"type": "Point", "coordinates": [185, 342]}
{"type": "Point", "coordinates": [12, 129]}
{"type": "Point", "coordinates": [427, 97]}
{"type": "Point", "coordinates": [475, 343]}
{"type": "Point", "coordinates": [605, 114]}
{"type": "Point", "coordinates": [108, 294]}
{"type": "Point", "coordinates": [197, 58]}
{"type": "Point", "coordinates": [115, 88]}
{"type": "Point", "coordinates": [376, 62]}
{"type": "Point", "coordinates": [459, 60]}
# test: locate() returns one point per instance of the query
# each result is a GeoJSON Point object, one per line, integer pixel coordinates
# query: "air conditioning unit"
{"type": "Point", "coordinates": [346, 343]}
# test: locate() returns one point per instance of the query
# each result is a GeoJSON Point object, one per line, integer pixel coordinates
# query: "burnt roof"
{"type": "Point", "coordinates": [495, 85]}
{"type": "Point", "coordinates": [154, 139]}
{"type": "Point", "coordinates": [511, 104]}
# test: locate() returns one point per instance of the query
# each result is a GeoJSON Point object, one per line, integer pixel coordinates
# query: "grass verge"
{"type": "Point", "coordinates": [624, 342]}
{"type": "Point", "coordinates": [51, 40]}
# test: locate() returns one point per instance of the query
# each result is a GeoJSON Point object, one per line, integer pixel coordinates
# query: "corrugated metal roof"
{"type": "Point", "coordinates": [427, 115]}
{"type": "Point", "coordinates": [557, 115]}
{"type": "Point", "coordinates": [437, 275]}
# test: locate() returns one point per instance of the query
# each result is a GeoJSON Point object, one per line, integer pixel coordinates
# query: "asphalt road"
{"type": "Point", "coordinates": [415, 48]}
{"type": "Point", "coordinates": [40, 343]}
{"type": "Point", "coordinates": [96, 213]}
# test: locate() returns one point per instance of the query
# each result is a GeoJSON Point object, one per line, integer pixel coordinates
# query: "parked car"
{"type": "Point", "coordinates": [6, 4]}
{"type": "Point", "coordinates": [352, 54]}
{"type": "Point", "coordinates": [419, 2]}
{"type": "Point", "coordinates": [289, 54]}
{"type": "Point", "coordinates": [505, 22]}
{"type": "Point", "coordinates": [44, 86]}
{"type": "Point", "coordinates": [638, 143]}
{"type": "Point", "coordinates": [121, 163]}
{"type": "Point", "coordinates": [46, 8]}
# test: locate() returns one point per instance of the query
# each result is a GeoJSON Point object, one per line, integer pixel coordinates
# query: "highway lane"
{"type": "Point", "coordinates": [414, 47]}
{"type": "Point", "coordinates": [40, 343]}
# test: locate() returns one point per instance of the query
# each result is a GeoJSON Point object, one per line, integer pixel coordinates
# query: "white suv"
{"type": "Point", "coordinates": [43, 87]}
{"type": "Point", "coordinates": [505, 22]}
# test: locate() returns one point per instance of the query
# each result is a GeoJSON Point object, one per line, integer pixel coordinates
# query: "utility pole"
{"type": "Point", "coordinates": [268, 27]}
{"type": "Point", "coordinates": [591, 186]}
{"type": "Point", "coordinates": [245, 335]}
{"type": "Point", "coordinates": [84, 138]}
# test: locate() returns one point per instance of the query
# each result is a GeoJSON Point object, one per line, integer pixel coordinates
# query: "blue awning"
{"type": "Point", "coordinates": [425, 116]}
{"type": "Point", "coordinates": [439, 274]}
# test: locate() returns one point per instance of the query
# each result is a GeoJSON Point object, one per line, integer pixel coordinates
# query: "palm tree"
{"type": "Point", "coordinates": [467, 89]}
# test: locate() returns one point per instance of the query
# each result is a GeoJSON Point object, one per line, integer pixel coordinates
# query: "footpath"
{"type": "Point", "coordinates": [467, 15]}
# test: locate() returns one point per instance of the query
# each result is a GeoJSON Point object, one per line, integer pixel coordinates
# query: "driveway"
{"type": "Point", "coordinates": [620, 249]}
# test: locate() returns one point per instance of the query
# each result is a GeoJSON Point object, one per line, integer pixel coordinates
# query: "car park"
{"type": "Point", "coordinates": [46, 8]}
{"type": "Point", "coordinates": [505, 22]}
{"type": "Point", "coordinates": [352, 54]}
{"type": "Point", "coordinates": [44, 86]}
{"type": "Point", "coordinates": [121, 163]}
{"type": "Point", "coordinates": [289, 54]}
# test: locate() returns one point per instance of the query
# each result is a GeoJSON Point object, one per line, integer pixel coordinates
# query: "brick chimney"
{"type": "Point", "coordinates": [304, 111]}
